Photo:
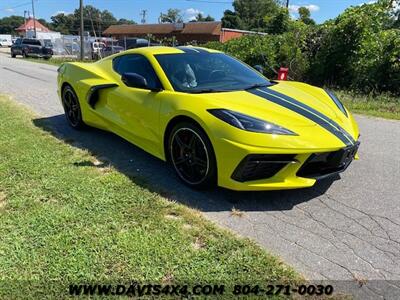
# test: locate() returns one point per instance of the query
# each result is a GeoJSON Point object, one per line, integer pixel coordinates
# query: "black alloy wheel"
{"type": "Point", "coordinates": [72, 108]}
{"type": "Point", "coordinates": [192, 156]}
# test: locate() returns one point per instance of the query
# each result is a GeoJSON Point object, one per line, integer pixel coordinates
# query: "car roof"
{"type": "Point", "coordinates": [155, 50]}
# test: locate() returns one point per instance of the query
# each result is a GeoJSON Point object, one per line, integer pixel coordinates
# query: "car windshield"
{"type": "Point", "coordinates": [32, 42]}
{"type": "Point", "coordinates": [208, 72]}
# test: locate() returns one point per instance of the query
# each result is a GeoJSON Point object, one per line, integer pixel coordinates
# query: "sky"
{"type": "Point", "coordinates": [321, 10]}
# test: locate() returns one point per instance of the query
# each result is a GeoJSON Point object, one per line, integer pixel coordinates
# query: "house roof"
{"type": "Point", "coordinates": [212, 28]}
{"type": "Point", "coordinates": [30, 25]}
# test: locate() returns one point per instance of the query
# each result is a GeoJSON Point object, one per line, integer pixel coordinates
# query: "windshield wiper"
{"type": "Point", "coordinates": [207, 91]}
{"type": "Point", "coordinates": [257, 85]}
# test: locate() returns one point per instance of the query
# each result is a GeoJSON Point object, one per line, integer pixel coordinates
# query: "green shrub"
{"type": "Point", "coordinates": [359, 50]}
{"type": "Point", "coordinates": [271, 51]}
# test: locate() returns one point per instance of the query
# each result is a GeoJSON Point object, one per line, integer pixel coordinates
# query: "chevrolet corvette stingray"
{"type": "Point", "coordinates": [216, 120]}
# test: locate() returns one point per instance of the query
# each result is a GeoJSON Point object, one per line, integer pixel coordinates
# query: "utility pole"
{"type": "Point", "coordinates": [25, 11]}
{"type": "Point", "coordinates": [143, 14]}
{"type": "Point", "coordinates": [81, 31]}
{"type": "Point", "coordinates": [287, 3]}
{"type": "Point", "coordinates": [34, 18]}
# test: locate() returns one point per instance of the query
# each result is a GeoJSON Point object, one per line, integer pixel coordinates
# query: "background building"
{"type": "Point", "coordinates": [200, 32]}
{"type": "Point", "coordinates": [42, 32]}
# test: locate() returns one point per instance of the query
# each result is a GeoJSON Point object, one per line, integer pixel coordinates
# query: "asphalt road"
{"type": "Point", "coordinates": [347, 229]}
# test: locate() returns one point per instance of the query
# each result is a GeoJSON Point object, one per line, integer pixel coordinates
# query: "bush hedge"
{"type": "Point", "coordinates": [359, 50]}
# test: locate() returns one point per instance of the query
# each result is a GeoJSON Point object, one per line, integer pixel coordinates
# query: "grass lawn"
{"type": "Point", "coordinates": [55, 61]}
{"type": "Point", "coordinates": [63, 221]}
{"type": "Point", "coordinates": [384, 106]}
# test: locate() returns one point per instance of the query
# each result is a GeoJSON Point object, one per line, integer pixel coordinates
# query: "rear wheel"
{"type": "Point", "coordinates": [192, 156]}
{"type": "Point", "coordinates": [72, 108]}
{"type": "Point", "coordinates": [24, 55]}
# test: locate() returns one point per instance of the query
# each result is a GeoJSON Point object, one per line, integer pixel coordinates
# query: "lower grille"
{"type": "Point", "coordinates": [261, 166]}
{"type": "Point", "coordinates": [324, 164]}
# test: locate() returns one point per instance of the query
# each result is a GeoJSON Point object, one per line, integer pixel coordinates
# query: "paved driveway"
{"type": "Point", "coordinates": [347, 229]}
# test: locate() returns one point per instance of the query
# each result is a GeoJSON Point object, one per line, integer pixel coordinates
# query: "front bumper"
{"type": "Point", "coordinates": [39, 55]}
{"type": "Point", "coordinates": [238, 165]}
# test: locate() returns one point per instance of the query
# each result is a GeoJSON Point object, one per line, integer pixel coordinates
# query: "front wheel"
{"type": "Point", "coordinates": [192, 155]}
{"type": "Point", "coordinates": [72, 108]}
{"type": "Point", "coordinates": [13, 55]}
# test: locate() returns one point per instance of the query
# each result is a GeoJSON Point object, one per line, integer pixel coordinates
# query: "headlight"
{"type": "Point", "coordinates": [248, 123]}
{"type": "Point", "coordinates": [337, 101]}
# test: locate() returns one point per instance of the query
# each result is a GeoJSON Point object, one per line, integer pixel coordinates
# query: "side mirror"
{"type": "Point", "coordinates": [259, 68]}
{"type": "Point", "coordinates": [134, 80]}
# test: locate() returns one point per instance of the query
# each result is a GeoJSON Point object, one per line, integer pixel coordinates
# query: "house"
{"type": "Point", "coordinates": [199, 32]}
{"type": "Point", "coordinates": [229, 34]}
{"type": "Point", "coordinates": [42, 32]}
{"type": "Point", "coordinates": [29, 25]}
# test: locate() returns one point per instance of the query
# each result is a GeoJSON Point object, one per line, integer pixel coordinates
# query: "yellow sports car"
{"type": "Point", "coordinates": [215, 119]}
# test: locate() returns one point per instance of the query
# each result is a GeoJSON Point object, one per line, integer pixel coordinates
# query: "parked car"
{"type": "Point", "coordinates": [5, 40]}
{"type": "Point", "coordinates": [30, 48]}
{"type": "Point", "coordinates": [132, 43]}
{"type": "Point", "coordinates": [110, 50]}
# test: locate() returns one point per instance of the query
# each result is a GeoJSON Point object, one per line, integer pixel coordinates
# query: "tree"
{"type": "Point", "coordinates": [359, 49]}
{"type": "Point", "coordinates": [278, 23]}
{"type": "Point", "coordinates": [44, 23]}
{"type": "Point", "coordinates": [231, 20]}
{"type": "Point", "coordinates": [123, 21]}
{"type": "Point", "coordinates": [200, 18]}
{"type": "Point", "coordinates": [305, 16]}
{"type": "Point", "coordinates": [173, 15]}
{"type": "Point", "coordinates": [62, 23]}
{"type": "Point", "coordinates": [95, 21]}
{"type": "Point", "coordinates": [252, 13]}
{"type": "Point", "coordinates": [9, 24]}
{"type": "Point", "coordinates": [255, 15]}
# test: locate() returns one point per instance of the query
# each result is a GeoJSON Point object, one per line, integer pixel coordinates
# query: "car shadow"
{"type": "Point", "coordinates": [156, 176]}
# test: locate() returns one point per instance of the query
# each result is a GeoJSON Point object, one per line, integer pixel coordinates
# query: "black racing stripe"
{"type": "Point", "coordinates": [302, 111]}
{"type": "Point", "coordinates": [320, 115]}
{"type": "Point", "coordinates": [192, 50]}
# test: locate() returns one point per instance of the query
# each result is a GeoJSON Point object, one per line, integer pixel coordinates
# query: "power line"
{"type": "Point", "coordinates": [16, 6]}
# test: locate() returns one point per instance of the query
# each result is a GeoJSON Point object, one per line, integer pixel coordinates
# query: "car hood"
{"type": "Point", "coordinates": [256, 103]}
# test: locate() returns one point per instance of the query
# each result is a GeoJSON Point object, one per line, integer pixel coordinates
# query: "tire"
{"type": "Point", "coordinates": [192, 156]}
{"type": "Point", "coordinates": [13, 55]}
{"type": "Point", "coordinates": [72, 108]}
{"type": "Point", "coordinates": [24, 54]}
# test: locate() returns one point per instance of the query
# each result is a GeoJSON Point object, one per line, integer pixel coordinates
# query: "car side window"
{"type": "Point", "coordinates": [18, 42]}
{"type": "Point", "coordinates": [136, 63]}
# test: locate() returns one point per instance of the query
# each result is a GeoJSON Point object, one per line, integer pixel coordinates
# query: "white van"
{"type": "Point", "coordinates": [5, 40]}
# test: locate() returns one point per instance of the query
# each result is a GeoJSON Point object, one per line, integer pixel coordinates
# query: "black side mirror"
{"type": "Point", "coordinates": [259, 68]}
{"type": "Point", "coordinates": [134, 80]}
